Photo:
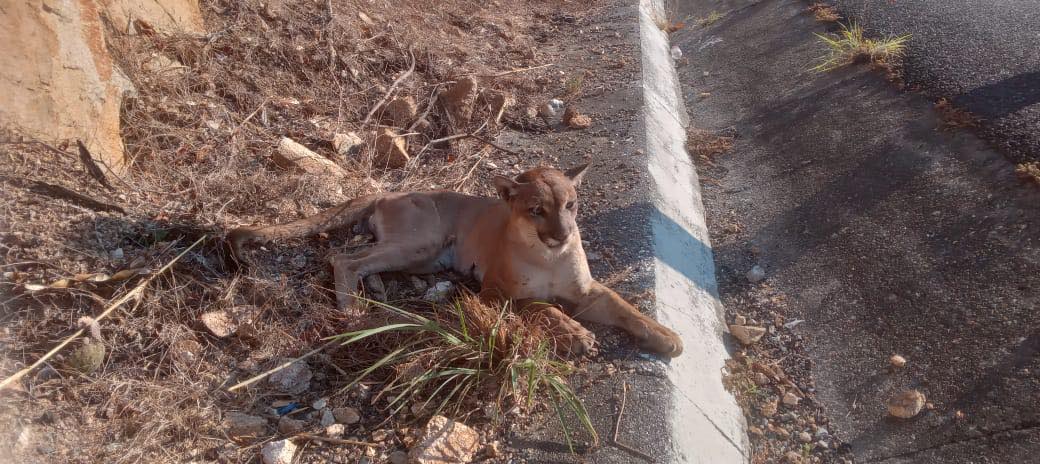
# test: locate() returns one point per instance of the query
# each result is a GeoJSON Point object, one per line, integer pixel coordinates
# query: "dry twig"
{"type": "Point", "coordinates": [390, 91]}
{"type": "Point", "coordinates": [617, 427]}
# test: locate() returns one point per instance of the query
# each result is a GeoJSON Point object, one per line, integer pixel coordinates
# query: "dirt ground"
{"type": "Point", "coordinates": [200, 131]}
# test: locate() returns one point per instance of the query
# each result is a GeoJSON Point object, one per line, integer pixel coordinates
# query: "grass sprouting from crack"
{"type": "Point", "coordinates": [850, 46]}
{"type": "Point", "coordinates": [712, 18]}
{"type": "Point", "coordinates": [445, 363]}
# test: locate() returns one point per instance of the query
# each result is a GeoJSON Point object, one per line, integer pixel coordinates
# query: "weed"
{"type": "Point", "coordinates": [712, 18]}
{"type": "Point", "coordinates": [1029, 171]}
{"type": "Point", "coordinates": [572, 87]}
{"type": "Point", "coordinates": [824, 12]}
{"type": "Point", "coordinates": [850, 46]}
{"type": "Point", "coordinates": [953, 117]}
{"type": "Point", "coordinates": [479, 352]}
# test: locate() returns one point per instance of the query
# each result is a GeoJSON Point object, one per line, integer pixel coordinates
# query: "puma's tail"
{"type": "Point", "coordinates": [337, 216]}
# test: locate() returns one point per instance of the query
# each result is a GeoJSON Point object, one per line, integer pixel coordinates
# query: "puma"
{"type": "Point", "coordinates": [523, 246]}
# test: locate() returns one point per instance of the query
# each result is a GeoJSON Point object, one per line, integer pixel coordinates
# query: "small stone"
{"type": "Point", "coordinates": [379, 435]}
{"type": "Point", "coordinates": [575, 120]}
{"type": "Point", "coordinates": [320, 403]}
{"type": "Point", "coordinates": [398, 457]}
{"type": "Point", "coordinates": [906, 404]}
{"type": "Point", "coordinates": [781, 431]}
{"type": "Point", "coordinates": [117, 254]}
{"type": "Point", "coordinates": [440, 292]}
{"type": "Point", "coordinates": [493, 449]}
{"type": "Point", "coordinates": [822, 433]}
{"type": "Point", "coordinates": [897, 360]}
{"type": "Point", "coordinates": [791, 399]}
{"type": "Point", "coordinates": [278, 452]}
{"type": "Point", "coordinates": [755, 431]}
{"type": "Point", "coordinates": [400, 111]}
{"type": "Point", "coordinates": [335, 430]}
{"type": "Point", "coordinates": [219, 323]}
{"type": "Point", "coordinates": [242, 425]}
{"type": "Point", "coordinates": [347, 144]}
{"type": "Point", "coordinates": [346, 415]}
{"type": "Point", "coordinates": [768, 409]}
{"type": "Point", "coordinates": [761, 379]}
{"type": "Point", "coordinates": [293, 380]}
{"type": "Point", "coordinates": [292, 155]}
{"type": "Point", "coordinates": [823, 444]}
{"type": "Point", "coordinates": [804, 437]}
{"type": "Point", "coordinates": [290, 426]}
{"type": "Point", "coordinates": [747, 335]}
{"type": "Point", "coordinates": [756, 274]}
{"type": "Point", "coordinates": [391, 150]}
{"type": "Point", "coordinates": [418, 284]}
{"type": "Point", "coordinates": [445, 441]}
{"type": "Point", "coordinates": [88, 357]}
{"type": "Point", "coordinates": [792, 457]}
{"type": "Point", "coordinates": [327, 418]}
{"type": "Point", "coordinates": [458, 100]}
{"type": "Point", "coordinates": [739, 320]}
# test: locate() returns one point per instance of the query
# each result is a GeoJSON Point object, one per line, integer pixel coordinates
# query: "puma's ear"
{"type": "Point", "coordinates": [576, 173]}
{"type": "Point", "coordinates": [506, 187]}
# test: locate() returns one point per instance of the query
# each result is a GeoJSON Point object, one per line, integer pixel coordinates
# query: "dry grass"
{"type": "Point", "coordinates": [706, 145]}
{"type": "Point", "coordinates": [200, 136]}
{"type": "Point", "coordinates": [712, 18]}
{"type": "Point", "coordinates": [824, 12]}
{"type": "Point", "coordinates": [952, 117]}
{"type": "Point", "coordinates": [850, 46]}
{"type": "Point", "coordinates": [1029, 171]}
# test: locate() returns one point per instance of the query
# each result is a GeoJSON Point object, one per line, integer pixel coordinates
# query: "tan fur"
{"type": "Point", "coordinates": [526, 248]}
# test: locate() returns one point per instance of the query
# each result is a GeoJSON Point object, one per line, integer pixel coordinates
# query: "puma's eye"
{"type": "Point", "coordinates": [537, 211]}
{"type": "Point", "coordinates": [570, 204]}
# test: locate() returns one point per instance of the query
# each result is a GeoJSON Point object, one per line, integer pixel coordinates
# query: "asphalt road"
{"type": "Point", "coordinates": [983, 55]}
{"type": "Point", "coordinates": [884, 233]}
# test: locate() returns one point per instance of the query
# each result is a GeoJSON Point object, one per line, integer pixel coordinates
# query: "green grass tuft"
{"type": "Point", "coordinates": [448, 364]}
{"type": "Point", "coordinates": [850, 46]}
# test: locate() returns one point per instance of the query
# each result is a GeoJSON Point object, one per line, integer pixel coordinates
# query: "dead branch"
{"type": "Point", "coordinates": [617, 427]}
{"type": "Point", "coordinates": [390, 91]}
{"type": "Point", "coordinates": [91, 166]}
{"type": "Point", "coordinates": [337, 441]}
{"type": "Point", "coordinates": [516, 70]}
{"type": "Point", "coordinates": [135, 293]}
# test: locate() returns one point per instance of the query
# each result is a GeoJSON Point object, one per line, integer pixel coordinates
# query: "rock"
{"type": "Point", "coordinates": [293, 380]}
{"type": "Point", "coordinates": [493, 449]}
{"type": "Point", "coordinates": [290, 426]}
{"type": "Point", "coordinates": [346, 415]}
{"type": "Point", "coordinates": [822, 433]}
{"type": "Point", "coordinates": [746, 335]}
{"type": "Point", "coordinates": [458, 100]}
{"type": "Point", "coordinates": [60, 82]}
{"type": "Point", "coordinates": [440, 292]}
{"type": "Point", "coordinates": [445, 441]}
{"type": "Point", "coordinates": [739, 320]}
{"type": "Point", "coordinates": [335, 430]}
{"type": "Point", "coordinates": [906, 404]}
{"type": "Point", "coordinates": [245, 425]}
{"type": "Point", "coordinates": [573, 119]}
{"type": "Point", "coordinates": [897, 360]}
{"type": "Point", "coordinates": [792, 457]}
{"type": "Point", "coordinates": [676, 52]}
{"type": "Point", "coordinates": [400, 111]}
{"type": "Point", "coordinates": [326, 418]}
{"type": "Point", "coordinates": [219, 323]}
{"type": "Point", "coordinates": [761, 379]}
{"type": "Point", "coordinates": [791, 399]}
{"type": "Point", "coordinates": [278, 452]}
{"type": "Point", "coordinates": [380, 435]}
{"type": "Point", "coordinates": [320, 403]}
{"type": "Point", "coordinates": [347, 144]}
{"type": "Point", "coordinates": [755, 431]}
{"type": "Point", "coordinates": [756, 274]}
{"type": "Point", "coordinates": [117, 254]}
{"type": "Point", "coordinates": [768, 409]}
{"type": "Point", "coordinates": [88, 357]}
{"type": "Point", "coordinates": [398, 457]}
{"type": "Point", "coordinates": [500, 102]}
{"type": "Point", "coordinates": [823, 444]}
{"type": "Point", "coordinates": [292, 155]}
{"type": "Point", "coordinates": [804, 437]}
{"type": "Point", "coordinates": [163, 66]}
{"type": "Point", "coordinates": [391, 150]}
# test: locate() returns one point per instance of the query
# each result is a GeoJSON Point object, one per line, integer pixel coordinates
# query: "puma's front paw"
{"type": "Point", "coordinates": [662, 340]}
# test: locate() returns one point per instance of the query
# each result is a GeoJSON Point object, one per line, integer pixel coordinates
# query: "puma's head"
{"type": "Point", "coordinates": [546, 199]}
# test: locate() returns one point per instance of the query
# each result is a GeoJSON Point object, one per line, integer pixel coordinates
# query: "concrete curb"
{"type": "Point", "coordinates": [706, 423]}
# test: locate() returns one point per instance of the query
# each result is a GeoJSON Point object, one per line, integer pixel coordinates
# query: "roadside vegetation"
{"type": "Point", "coordinates": [850, 46]}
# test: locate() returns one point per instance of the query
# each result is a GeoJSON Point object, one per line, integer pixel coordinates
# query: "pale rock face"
{"type": "Point", "coordinates": [59, 81]}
